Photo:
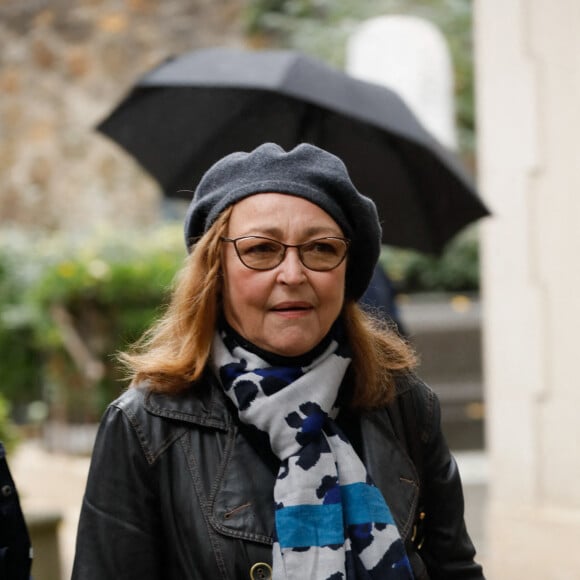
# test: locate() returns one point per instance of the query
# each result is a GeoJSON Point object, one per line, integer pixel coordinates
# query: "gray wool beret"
{"type": "Point", "coordinates": [306, 171]}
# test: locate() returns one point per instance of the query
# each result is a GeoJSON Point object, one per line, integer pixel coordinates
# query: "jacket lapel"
{"type": "Point", "coordinates": [390, 467]}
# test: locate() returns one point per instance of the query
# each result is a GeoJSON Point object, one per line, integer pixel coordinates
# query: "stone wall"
{"type": "Point", "coordinates": [64, 64]}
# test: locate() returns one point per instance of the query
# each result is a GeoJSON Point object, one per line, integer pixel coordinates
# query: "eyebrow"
{"type": "Point", "coordinates": [307, 233]}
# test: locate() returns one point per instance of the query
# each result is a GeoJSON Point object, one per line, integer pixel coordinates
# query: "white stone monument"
{"type": "Point", "coordinates": [410, 56]}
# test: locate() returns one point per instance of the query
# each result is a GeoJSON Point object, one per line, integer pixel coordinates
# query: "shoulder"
{"type": "Point", "coordinates": [418, 403]}
{"type": "Point", "coordinates": [131, 404]}
{"type": "Point", "coordinates": [157, 420]}
{"type": "Point", "coordinates": [202, 402]}
{"type": "Point", "coordinates": [409, 384]}
{"type": "Point", "coordinates": [132, 400]}
{"type": "Point", "coordinates": [128, 423]}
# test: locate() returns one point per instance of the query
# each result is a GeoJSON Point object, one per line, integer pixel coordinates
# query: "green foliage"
{"type": "Point", "coordinates": [104, 290]}
{"type": "Point", "coordinates": [8, 434]}
{"type": "Point", "coordinates": [456, 270]}
{"type": "Point", "coordinates": [19, 361]}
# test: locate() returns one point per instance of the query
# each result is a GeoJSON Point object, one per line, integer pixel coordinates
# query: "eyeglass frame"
{"type": "Point", "coordinates": [286, 246]}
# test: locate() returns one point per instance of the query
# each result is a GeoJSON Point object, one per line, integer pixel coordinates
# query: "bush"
{"type": "Point", "coordinates": [81, 303]}
{"type": "Point", "coordinates": [20, 361]}
{"type": "Point", "coordinates": [456, 270]}
{"type": "Point", "coordinates": [8, 434]}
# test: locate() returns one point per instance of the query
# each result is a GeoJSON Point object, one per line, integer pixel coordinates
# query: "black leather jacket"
{"type": "Point", "coordinates": [178, 489]}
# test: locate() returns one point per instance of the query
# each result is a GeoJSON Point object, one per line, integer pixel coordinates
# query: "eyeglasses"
{"type": "Point", "coordinates": [320, 255]}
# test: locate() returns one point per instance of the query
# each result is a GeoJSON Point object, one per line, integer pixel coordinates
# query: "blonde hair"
{"type": "Point", "coordinates": [174, 352]}
{"type": "Point", "coordinates": [379, 354]}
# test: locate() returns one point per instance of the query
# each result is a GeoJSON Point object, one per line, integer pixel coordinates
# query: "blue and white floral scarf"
{"type": "Point", "coordinates": [332, 522]}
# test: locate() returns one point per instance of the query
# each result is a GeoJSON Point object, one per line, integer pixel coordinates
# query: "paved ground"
{"type": "Point", "coordinates": [49, 482]}
{"type": "Point", "coordinates": [474, 470]}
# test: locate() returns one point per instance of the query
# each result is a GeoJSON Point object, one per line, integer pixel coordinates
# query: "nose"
{"type": "Point", "coordinates": [291, 271]}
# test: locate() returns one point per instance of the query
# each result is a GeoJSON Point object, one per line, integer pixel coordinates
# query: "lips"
{"type": "Point", "coordinates": [292, 307]}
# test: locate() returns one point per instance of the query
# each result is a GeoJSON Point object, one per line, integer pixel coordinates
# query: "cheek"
{"type": "Point", "coordinates": [335, 286]}
{"type": "Point", "coordinates": [242, 291]}
{"type": "Point", "coordinates": [331, 296]}
{"type": "Point", "coordinates": [336, 299]}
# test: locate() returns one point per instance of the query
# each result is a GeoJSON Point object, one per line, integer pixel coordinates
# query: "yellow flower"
{"type": "Point", "coordinates": [66, 269]}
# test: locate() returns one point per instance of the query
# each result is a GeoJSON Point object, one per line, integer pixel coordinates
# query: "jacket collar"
{"type": "Point", "coordinates": [201, 403]}
{"type": "Point", "coordinates": [204, 402]}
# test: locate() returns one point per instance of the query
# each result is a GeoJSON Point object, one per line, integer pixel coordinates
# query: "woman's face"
{"type": "Point", "coordinates": [287, 310]}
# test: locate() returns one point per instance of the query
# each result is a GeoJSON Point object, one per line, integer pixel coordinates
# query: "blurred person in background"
{"type": "Point", "coordinates": [381, 298]}
{"type": "Point", "coordinates": [15, 548]}
{"type": "Point", "coordinates": [273, 429]}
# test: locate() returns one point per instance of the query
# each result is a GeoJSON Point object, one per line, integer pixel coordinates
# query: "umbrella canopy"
{"type": "Point", "coordinates": [192, 110]}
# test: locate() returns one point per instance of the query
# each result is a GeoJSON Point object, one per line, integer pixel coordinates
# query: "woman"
{"type": "Point", "coordinates": [263, 436]}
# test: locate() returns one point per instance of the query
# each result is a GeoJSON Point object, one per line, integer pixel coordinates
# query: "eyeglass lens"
{"type": "Point", "coordinates": [264, 254]}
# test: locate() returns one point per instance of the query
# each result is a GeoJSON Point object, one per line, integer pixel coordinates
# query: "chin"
{"type": "Point", "coordinates": [290, 352]}
{"type": "Point", "coordinates": [292, 347]}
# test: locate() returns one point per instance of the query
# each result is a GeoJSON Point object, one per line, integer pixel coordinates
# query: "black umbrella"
{"type": "Point", "coordinates": [192, 110]}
